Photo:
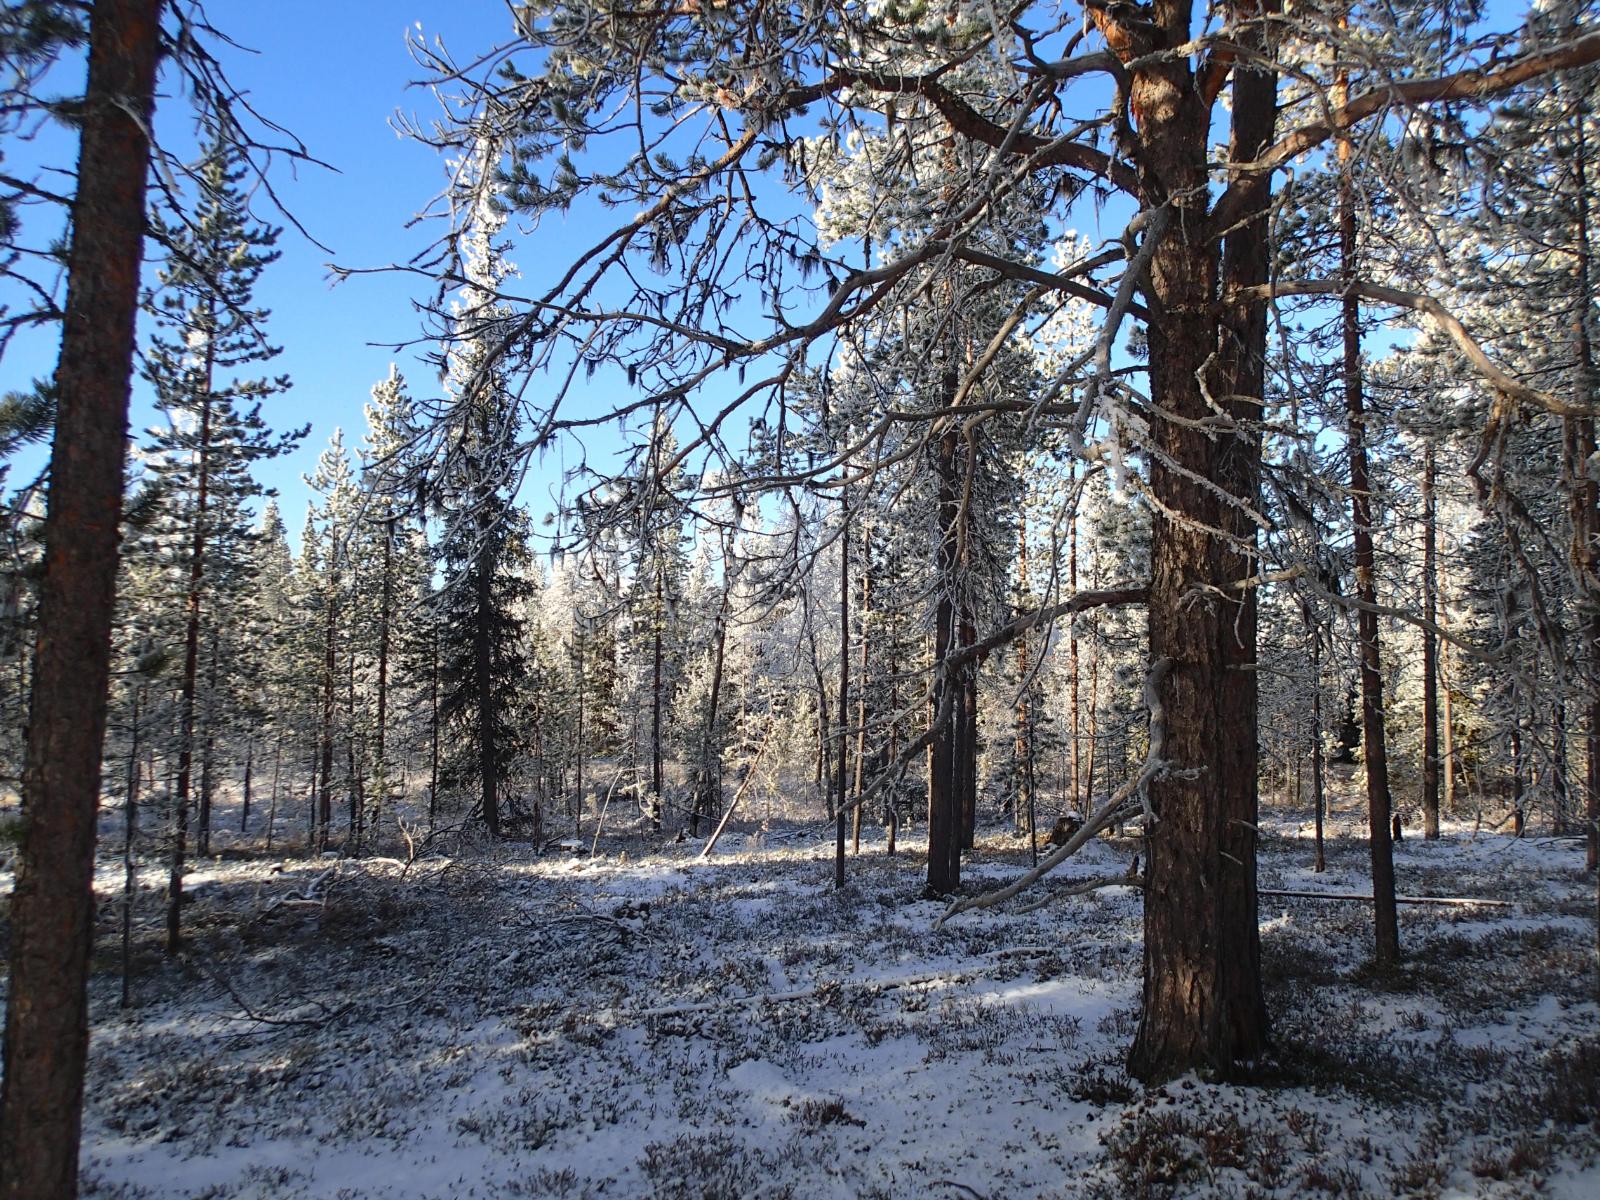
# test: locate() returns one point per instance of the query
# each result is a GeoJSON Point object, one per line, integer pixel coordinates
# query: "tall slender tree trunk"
{"type": "Point", "coordinates": [130, 830]}
{"type": "Point", "coordinates": [1583, 487]}
{"type": "Point", "coordinates": [208, 753]}
{"type": "Point", "coordinates": [272, 803]}
{"type": "Point", "coordinates": [944, 792]}
{"type": "Point", "coordinates": [1375, 755]}
{"type": "Point", "coordinates": [841, 790]}
{"type": "Point", "coordinates": [581, 687]}
{"type": "Point", "coordinates": [862, 712]}
{"type": "Point", "coordinates": [191, 673]}
{"type": "Point", "coordinates": [1447, 732]}
{"type": "Point", "coordinates": [1077, 800]}
{"type": "Point", "coordinates": [658, 622]}
{"type": "Point", "coordinates": [352, 760]}
{"type": "Point", "coordinates": [380, 766]}
{"type": "Point", "coordinates": [249, 765]}
{"type": "Point", "coordinates": [329, 675]}
{"type": "Point", "coordinates": [52, 903]}
{"type": "Point", "coordinates": [433, 728]}
{"type": "Point", "coordinates": [483, 674]}
{"type": "Point", "coordinates": [708, 791]}
{"type": "Point", "coordinates": [1318, 771]}
{"type": "Point", "coordinates": [1022, 746]}
{"type": "Point", "coordinates": [1430, 650]}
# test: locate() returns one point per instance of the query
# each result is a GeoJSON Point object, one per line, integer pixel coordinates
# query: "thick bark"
{"type": "Point", "coordinates": [1203, 1006]}
{"type": "Point", "coordinates": [52, 905]}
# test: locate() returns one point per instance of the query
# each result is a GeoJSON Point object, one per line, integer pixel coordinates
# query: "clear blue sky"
{"type": "Point", "coordinates": [334, 75]}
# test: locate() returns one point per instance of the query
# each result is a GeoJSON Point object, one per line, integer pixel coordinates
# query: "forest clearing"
{"type": "Point", "coordinates": [646, 1023]}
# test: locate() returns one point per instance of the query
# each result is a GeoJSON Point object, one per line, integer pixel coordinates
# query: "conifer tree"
{"type": "Point", "coordinates": [208, 331]}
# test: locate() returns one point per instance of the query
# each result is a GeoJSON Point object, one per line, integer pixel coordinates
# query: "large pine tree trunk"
{"type": "Point", "coordinates": [1203, 1006]}
{"type": "Point", "coordinates": [52, 905]}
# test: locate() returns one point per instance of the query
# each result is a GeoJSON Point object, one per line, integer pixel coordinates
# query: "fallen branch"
{"type": "Point", "coordinates": [307, 895]}
{"type": "Point", "coordinates": [1453, 901]}
{"type": "Point", "coordinates": [749, 776]}
{"type": "Point", "coordinates": [1083, 889]}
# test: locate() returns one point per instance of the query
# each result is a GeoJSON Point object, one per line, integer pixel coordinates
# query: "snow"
{"type": "Point", "coordinates": [652, 1025]}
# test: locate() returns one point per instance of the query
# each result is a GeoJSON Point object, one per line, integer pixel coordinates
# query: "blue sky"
{"type": "Point", "coordinates": [334, 75]}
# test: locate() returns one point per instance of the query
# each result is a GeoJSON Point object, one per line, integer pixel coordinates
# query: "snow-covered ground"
{"type": "Point", "coordinates": [644, 1024]}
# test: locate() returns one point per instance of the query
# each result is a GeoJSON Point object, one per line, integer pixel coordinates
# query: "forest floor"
{"type": "Point", "coordinates": [644, 1024]}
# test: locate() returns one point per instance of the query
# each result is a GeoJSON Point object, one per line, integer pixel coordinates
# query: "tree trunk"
{"type": "Point", "coordinates": [862, 713]}
{"type": "Point", "coordinates": [577, 737]}
{"type": "Point", "coordinates": [1447, 732]}
{"type": "Point", "coordinates": [130, 829]}
{"type": "Point", "coordinates": [208, 753]}
{"type": "Point", "coordinates": [1430, 651]}
{"type": "Point", "coordinates": [1318, 773]}
{"type": "Point", "coordinates": [708, 793]}
{"type": "Point", "coordinates": [272, 803]}
{"type": "Point", "coordinates": [380, 768]}
{"type": "Point", "coordinates": [944, 793]}
{"type": "Point", "coordinates": [483, 672]}
{"type": "Point", "coordinates": [1203, 1006]}
{"type": "Point", "coordinates": [840, 789]}
{"type": "Point", "coordinates": [249, 764]}
{"type": "Point", "coordinates": [433, 728]}
{"type": "Point", "coordinates": [52, 904]}
{"type": "Point", "coordinates": [329, 665]}
{"type": "Point", "coordinates": [1386, 928]}
{"type": "Point", "coordinates": [657, 780]}
{"type": "Point", "coordinates": [187, 689]}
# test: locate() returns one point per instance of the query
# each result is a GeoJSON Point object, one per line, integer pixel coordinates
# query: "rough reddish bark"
{"type": "Point", "coordinates": [1203, 1006]}
{"type": "Point", "coordinates": [52, 909]}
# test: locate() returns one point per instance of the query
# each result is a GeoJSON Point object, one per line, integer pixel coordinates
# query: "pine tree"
{"type": "Point", "coordinates": [208, 330]}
